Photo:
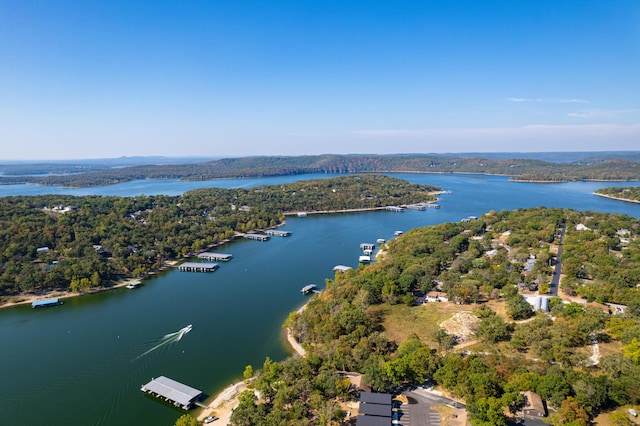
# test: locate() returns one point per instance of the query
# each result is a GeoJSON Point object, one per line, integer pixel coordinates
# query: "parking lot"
{"type": "Point", "coordinates": [419, 411]}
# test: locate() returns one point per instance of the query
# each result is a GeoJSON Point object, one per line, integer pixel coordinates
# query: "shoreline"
{"type": "Point", "coordinates": [24, 299]}
{"type": "Point", "coordinates": [611, 197]}
{"type": "Point", "coordinates": [227, 399]}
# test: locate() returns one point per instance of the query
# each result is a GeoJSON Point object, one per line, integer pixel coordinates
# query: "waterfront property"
{"type": "Point", "coordinates": [197, 267]}
{"type": "Point", "coordinates": [46, 303]}
{"type": "Point", "coordinates": [257, 237]}
{"type": "Point", "coordinates": [174, 392]}
{"type": "Point", "coordinates": [224, 257]}
{"type": "Point", "coordinates": [277, 233]}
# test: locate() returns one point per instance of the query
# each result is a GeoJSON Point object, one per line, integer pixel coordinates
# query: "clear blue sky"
{"type": "Point", "coordinates": [91, 79]}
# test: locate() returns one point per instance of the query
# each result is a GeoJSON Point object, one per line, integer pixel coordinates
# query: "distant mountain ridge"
{"type": "Point", "coordinates": [595, 166]}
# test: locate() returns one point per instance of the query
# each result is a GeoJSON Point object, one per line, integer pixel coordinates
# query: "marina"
{"type": "Point", "coordinates": [197, 267]}
{"type": "Point", "coordinates": [223, 257]}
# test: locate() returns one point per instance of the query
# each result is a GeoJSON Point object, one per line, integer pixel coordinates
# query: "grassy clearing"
{"type": "Point", "coordinates": [401, 321]}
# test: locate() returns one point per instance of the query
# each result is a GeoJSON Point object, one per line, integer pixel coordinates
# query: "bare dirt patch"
{"type": "Point", "coordinates": [463, 325]}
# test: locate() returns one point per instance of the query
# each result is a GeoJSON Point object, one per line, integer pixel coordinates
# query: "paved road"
{"type": "Point", "coordinates": [419, 413]}
{"type": "Point", "coordinates": [555, 281]}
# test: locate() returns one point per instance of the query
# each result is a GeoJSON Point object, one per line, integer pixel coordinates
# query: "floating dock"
{"type": "Point", "coordinates": [134, 284]}
{"type": "Point", "coordinates": [176, 393]}
{"type": "Point", "coordinates": [367, 246]}
{"type": "Point", "coordinates": [308, 288]}
{"type": "Point", "coordinates": [197, 267]}
{"type": "Point", "coordinates": [224, 257]}
{"type": "Point", "coordinates": [257, 237]}
{"type": "Point", "coordinates": [364, 259]}
{"type": "Point", "coordinates": [394, 209]}
{"type": "Point", "coordinates": [277, 233]}
{"type": "Point", "coordinates": [46, 303]}
{"type": "Point", "coordinates": [342, 268]}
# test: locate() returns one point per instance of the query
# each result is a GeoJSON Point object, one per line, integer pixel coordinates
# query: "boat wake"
{"type": "Point", "coordinates": [167, 340]}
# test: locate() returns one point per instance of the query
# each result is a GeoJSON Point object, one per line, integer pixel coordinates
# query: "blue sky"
{"type": "Point", "coordinates": [92, 79]}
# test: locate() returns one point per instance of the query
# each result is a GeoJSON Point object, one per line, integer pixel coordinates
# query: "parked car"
{"type": "Point", "coordinates": [210, 419]}
{"type": "Point", "coordinates": [633, 412]}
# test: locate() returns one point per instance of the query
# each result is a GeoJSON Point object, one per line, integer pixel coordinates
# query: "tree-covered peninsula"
{"type": "Point", "coordinates": [522, 169]}
{"type": "Point", "coordinates": [486, 345]}
{"type": "Point", "coordinates": [626, 193]}
{"type": "Point", "coordinates": [58, 242]}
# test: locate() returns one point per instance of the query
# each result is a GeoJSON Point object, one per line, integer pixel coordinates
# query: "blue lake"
{"type": "Point", "coordinates": [84, 362]}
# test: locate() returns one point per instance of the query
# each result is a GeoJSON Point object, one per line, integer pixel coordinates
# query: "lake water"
{"type": "Point", "coordinates": [84, 362]}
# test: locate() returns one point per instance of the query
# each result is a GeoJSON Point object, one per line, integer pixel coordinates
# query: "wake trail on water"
{"type": "Point", "coordinates": [166, 340]}
{"type": "Point", "coordinates": [113, 399]}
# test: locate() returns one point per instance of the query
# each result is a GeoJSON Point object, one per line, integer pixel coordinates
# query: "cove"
{"type": "Point", "coordinates": [83, 362]}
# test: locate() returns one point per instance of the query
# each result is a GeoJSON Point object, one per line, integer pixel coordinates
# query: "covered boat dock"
{"type": "Point", "coordinates": [173, 392]}
{"type": "Point", "coordinates": [224, 257]}
{"type": "Point", "coordinates": [197, 267]}
{"type": "Point", "coordinates": [308, 288]}
{"type": "Point", "coordinates": [46, 303]}
{"type": "Point", "coordinates": [277, 233]}
{"type": "Point", "coordinates": [258, 237]}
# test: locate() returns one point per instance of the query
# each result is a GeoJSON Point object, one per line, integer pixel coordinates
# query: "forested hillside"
{"type": "Point", "coordinates": [519, 169]}
{"type": "Point", "coordinates": [484, 266]}
{"type": "Point", "coordinates": [91, 241]}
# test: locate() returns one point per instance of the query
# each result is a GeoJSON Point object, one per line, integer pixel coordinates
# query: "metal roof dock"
{"type": "Point", "coordinates": [367, 246]}
{"type": "Point", "coordinates": [171, 391]}
{"type": "Point", "coordinates": [259, 237]}
{"type": "Point", "coordinates": [224, 257]}
{"type": "Point", "coordinates": [46, 302]}
{"type": "Point", "coordinates": [342, 268]}
{"type": "Point", "coordinates": [277, 233]}
{"type": "Point", "coordinates": [308, 288]}
{"type": "Point", "coordinates": [197, 267]}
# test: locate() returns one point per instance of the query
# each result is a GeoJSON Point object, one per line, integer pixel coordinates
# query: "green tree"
{"type": "Point", "coordinates": [187, 420]}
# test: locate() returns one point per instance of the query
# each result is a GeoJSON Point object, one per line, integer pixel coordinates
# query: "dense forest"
{"type": "Point", "coordinates": [629, 193]}
{"type": "Point", "coordinates": [519, 169]}
{"type": "Point", "coordinates": [58, 242]}
{"type": "Point", "coordinates": [367, 321]}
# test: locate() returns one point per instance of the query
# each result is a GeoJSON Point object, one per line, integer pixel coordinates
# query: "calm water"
{"type": "Point", "coordinates": [83, 362]}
